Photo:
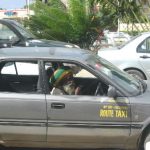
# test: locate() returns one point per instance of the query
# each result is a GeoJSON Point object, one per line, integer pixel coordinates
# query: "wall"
{"type": "Point", "coordinates": [15, 13]}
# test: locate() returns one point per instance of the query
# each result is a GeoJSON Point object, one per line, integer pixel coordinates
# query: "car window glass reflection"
{"type": "Point", "coordinates": [144, 47]}
{"type": "Point", "coordinates": [9, 68]}
{"type": "Point", "coordinates": [6, 33]}
{"type": "Point", "coordinates": [22, 68]}
{"type": "Point", "coordinates": [20, 77]}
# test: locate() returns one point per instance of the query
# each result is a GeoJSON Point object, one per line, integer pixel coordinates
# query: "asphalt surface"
{"type": "Point", "coordinates": [49, 149]}
{"type": "Point", "coordinates": [5, 148]}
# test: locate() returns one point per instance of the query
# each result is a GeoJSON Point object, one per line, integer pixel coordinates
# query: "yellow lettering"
{"type": "Point", "coordinates": [118, 114]}
{"type": "Point", "coordinates": [106, 113]}
{"type": "Point", "coordinates": [110, 107]}
{"type": "Point", "coordinates": [121, 113]}
{"type": "Point", "coordinates": [120, 107]}
{"type": "Point", "coordinates": [104, 107]}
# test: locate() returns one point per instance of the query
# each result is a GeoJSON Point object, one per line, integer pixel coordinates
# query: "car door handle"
{"type": "Point", "coordinates": [144, 56]}
{"type": "Point", "coordinates": [57, 105]}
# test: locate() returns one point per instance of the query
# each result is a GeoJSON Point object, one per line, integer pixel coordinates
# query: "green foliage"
{"type": "Point", "coordinates": [127, 11]}
{"type": "Point", "coordinates": [80, 22]}
{"type": "Point", "coordinates": [49, 22]}
{"type": "Point", "coordinates": [75, 23]}
{"type": "Point", "coordinates": [120, 9]}
{"type": "Point", "coordinates": [78, 19]}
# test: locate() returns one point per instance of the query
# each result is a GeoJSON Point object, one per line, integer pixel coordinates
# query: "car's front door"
{"type": "Point", "coordinates": [143, 54]}
{"type": "Point", "coordinates": [90, 119]}
{"type": "Point", "coordinates": [87, 121]}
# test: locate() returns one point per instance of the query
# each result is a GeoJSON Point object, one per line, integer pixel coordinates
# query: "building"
{"type": "Point", "coordinates": [15, 13]}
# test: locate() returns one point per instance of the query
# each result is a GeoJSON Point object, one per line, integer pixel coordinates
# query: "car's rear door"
{"type": "Point", "coordinates": [23, 114]}
{"type": "Point", "coordinates": [22, 117]}
{"type": "Point", "coordinates": [87, 121]}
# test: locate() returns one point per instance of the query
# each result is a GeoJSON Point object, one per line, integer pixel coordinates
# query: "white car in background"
{"type": "Point", "coordinates": [116, 38]}
{"type": "Point", "coordinates": [132, 57]}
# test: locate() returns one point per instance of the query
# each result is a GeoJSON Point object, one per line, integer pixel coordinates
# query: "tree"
{"type": "Point", "coordinates": [75, 23]}
{"type": "Point", "coordinates": [127, 11]}
{"type": "Point", "coordinates": [81, 21]}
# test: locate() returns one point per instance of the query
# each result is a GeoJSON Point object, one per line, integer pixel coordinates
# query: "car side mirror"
{"type": "Point", "coordinates": [112, 92]}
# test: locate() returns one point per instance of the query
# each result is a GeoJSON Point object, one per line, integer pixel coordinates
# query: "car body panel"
{"type": "Point", "coordinates": [126, 57]}
{"type": "Point", "coordinates": [15, 31]}
{"type": "Point", "coordinates": [71, 121]}
{"type": "Point", "coordinates": [145, 62]}
{"type": "Point", "coordinates": [22, 117]}
{"type": "Point", "coordinates": [116, 38]}
{"type": "Point", "coordinates": [83, 117]}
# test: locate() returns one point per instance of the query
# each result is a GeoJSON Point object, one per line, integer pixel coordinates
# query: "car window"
{"type": "Point", "coordinates": [73, 79]}
{"type": "Point", "coordinates": [20, 77]}
{"type": "Point", "coordinates": [84, 74]}
{"type": "Point", "coordinates": [6, 33]}
{"type": "Point", "coordinates": [127, 82]}
{"type": "Point", "coordinates": [20, 68]}
{"type": "Point", "coordinates": [23, 31]}
{"type": "Point", "coordinates": [144, 47]}
{"type": "Point", "coordinates": [9, 68]}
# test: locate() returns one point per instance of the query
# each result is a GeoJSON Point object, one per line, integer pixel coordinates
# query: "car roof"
{"type": "Point", "coordinates": [14, 24]}
{"type": "Point", "coordinates": [44, 52]}
{"type": "Point", "coordinates": [8, 21]}
{"type": "Point", "coordinates": [144, 34]}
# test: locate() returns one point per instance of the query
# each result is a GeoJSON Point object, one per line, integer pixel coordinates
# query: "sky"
{"type": "Point", "coordinates": [12, 4]}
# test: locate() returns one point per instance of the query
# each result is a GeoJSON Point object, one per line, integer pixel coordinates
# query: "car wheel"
{"type": "Point", "coordinates": [136, 74]}
{"type": "Point", "coordinates": [147, 143]}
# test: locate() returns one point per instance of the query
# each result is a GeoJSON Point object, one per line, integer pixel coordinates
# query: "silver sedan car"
{"type": "Point", "coordinates": [132, 57]}
{"type": "Point", "coordinates": [110, 109]}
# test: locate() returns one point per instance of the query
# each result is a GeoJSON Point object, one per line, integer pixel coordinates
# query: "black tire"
{"type": "Point", "coordinates": [136, 74]}
{"type": "Point", "coordinates": [146, 145]}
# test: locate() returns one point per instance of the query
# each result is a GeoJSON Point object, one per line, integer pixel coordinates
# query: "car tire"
{"type": "Point", "coordinates": [136, 74]}
{"type": "Point", "coordinates": [146, 145]}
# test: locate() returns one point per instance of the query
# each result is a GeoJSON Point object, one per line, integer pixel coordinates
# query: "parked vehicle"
{"type": "Point", "coordinates": [13, 33]}
{"type": "Point", "coordinates": [109, 40]}
{"type": "Point", "coordinates": [132, 57]}
{"type": "Point", "coordinates": [116, 38]}
{"type": "Point", "coordinates": [111, 111]}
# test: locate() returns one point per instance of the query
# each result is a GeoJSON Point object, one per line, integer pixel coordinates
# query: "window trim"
{"type": "Point", "coordinates": [137, 49]}
{"type": "Point", "coordinates": [26, 60]}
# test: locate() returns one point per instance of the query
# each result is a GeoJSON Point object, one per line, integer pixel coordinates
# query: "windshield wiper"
{"type": "Point", "coordinates": [30, 38]}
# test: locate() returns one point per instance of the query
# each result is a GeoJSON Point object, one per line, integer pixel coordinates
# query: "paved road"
{"type": "Point", "coordinates": [49, 149]}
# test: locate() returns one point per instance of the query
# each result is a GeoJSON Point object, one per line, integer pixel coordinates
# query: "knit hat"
{"type": "Point", "coordinates": [61, 75]}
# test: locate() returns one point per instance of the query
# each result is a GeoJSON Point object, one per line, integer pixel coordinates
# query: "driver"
{"type": "Point", "coordinates": [63, 83]}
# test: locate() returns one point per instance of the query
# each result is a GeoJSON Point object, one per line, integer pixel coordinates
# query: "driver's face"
{"type": "Point", "coordinates": [69, 87]}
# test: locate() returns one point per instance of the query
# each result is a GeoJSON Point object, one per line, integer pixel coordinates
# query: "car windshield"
{"type": "Point", "coordinates": [26, 34]}
{"type": "Point", "coordinates": [129, 41]}
{"type": "Point", "coordinates": [122, 79]}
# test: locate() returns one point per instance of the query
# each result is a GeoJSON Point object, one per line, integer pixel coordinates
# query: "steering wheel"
{"type": "Point", "coordinates": [99, 90]}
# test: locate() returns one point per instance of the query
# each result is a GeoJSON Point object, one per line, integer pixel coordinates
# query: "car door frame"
{"type": "Point", "coordinates": [13, 29]}
{"type": "Point", "coordinates": [58, 130]}
{"type": "Point", "coordinates": [23, 120]}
